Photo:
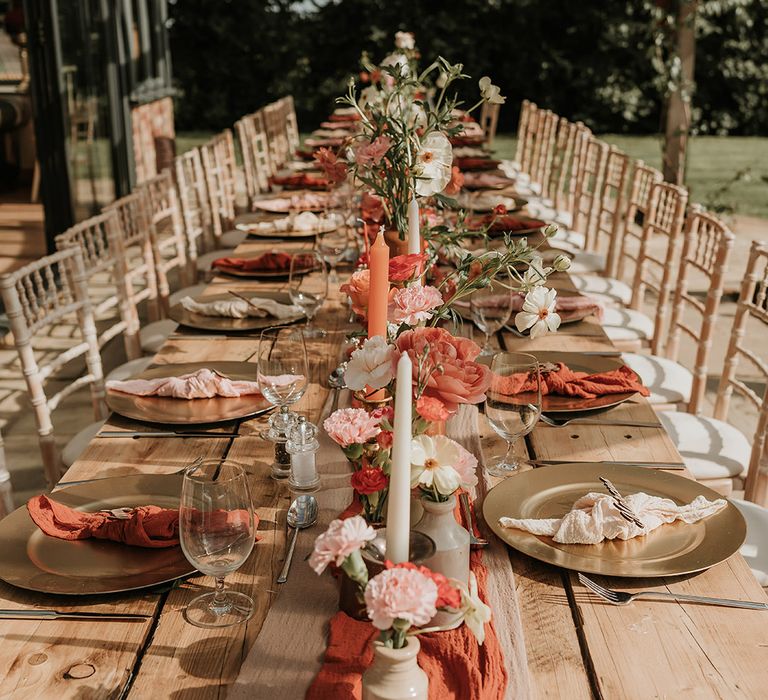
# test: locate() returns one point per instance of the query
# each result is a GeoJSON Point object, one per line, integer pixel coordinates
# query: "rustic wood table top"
{"type": "Point", "coordinates": [576, 646]}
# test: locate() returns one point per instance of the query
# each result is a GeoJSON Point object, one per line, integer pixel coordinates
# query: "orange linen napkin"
{"type": "Point", "coordinates": [147, 526]}
{"type": "Point", "coordinates": [301, 181]}
{"type": "Point", "coordinates": [465, 164]}
{"type": "Point", "coordinates": [474, 140]}
{"type": "Point", "coordinates": [481, 180]}
{"type": "Point", "coordinates": [267, 262]}
{"type": "Point", "coordinates": [566, 382]}
{"type": "Point", "coordinates": [457, 666]}
{"type": "Point", "coordinates": [345, 117]}
{"type": "Point", "coordinates": [497, 223]}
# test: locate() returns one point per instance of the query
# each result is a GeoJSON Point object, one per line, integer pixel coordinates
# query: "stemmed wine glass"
{"type": "Point", "coordinates": [490, 308]}
{"type": "Point", "coordinates": [308, 292]}
{"type": "Point", "coordinates": [217, 531]}
{"type": "Point", "coordinates": [331, 246]}
{"type": "Point", "coordinates": [282, 373]}
{"type": "Point", "coordinates": [513, 403]}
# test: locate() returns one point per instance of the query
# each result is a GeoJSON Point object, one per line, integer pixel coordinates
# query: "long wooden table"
{"type": "Point", "coordinates": [576, 646]}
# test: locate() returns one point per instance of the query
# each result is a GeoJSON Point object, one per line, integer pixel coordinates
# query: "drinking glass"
{"type": "Point", "coordinates": [282, 373]}
{"type": "Point", "coordinates": [512, 415]}
{"type": "Point", "coordinates": [308, 291]}
{"type": "Point", "coordinates": [331, 246]}
{"type": "Point", "coordinates": [217, 532]}
{"type": "Point", "coordinates": [490, 308]}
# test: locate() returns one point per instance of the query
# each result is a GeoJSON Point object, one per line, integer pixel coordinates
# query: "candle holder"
{"type": "Point", "coordinates": [302, 445]}
{"type": "Point", "coordinates": [362, 400]}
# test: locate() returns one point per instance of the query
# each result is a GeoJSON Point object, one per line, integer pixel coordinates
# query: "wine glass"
{"type": "Point", "coordinates": [512, 415]}
{"type": "Point", "coordinates": [306, 291]}
{"type": "Point", "coordinates": [282, 373]}
{"type": "Point", "coordinates": [331, 246]}
{"type": "Point", "coordinates": [217, 531]}
{"type": "Point", "coordinates": [490, 308]}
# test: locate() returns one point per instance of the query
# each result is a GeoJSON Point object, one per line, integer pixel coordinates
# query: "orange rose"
{"type": "Point", "coordinates": [369, 480]}
{"type": "Point", "coordinates": [402, 267]}
{"type": "Point", "coordinates": [456, 182]}
{"type": "Point", "coordinates": [357, 289]}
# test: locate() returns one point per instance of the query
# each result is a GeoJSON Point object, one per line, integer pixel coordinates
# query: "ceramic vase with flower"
{"type": "Point", "coordinates": [395, 673]}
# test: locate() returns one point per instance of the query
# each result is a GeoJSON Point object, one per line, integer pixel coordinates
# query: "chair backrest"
{"type": "Point", "coordinates": [527, 142]}
{"type": "Point", "coordinates": [656, 265]}
{"type": "Point", "coordinates": [277, 137]}
{"type": "Point", "coordinates": [218, 165]}
{"type": "Point", "coordinates": [99, 240]}
{"type": "Point", "coordinates": [589, 184]}
{"type": "Point", "coordinates": [544, 150]}
{"type": "Point", "coordinates": [707, 245]}
{"type": "Point", "coordinates": [489, 120]}
{"type": "Point", "coordinates": [134, 229]}
{"type": "Point", "coordinates": [748, 330]}
{"type": "Point", "coordinates": [193, 201]}
{"type": "Point", "coordinates": [256, 165]}
{"type": "Point", "coordinates": [611, 208]}
{"type": "Point", "coordinates": [638, 201]}
{"type": "Point", "coordinates": [291, 123]}
{"type": "Point", "coordinates": [36, 297]}
{"type": "Point", "coordinates": [166, 230]}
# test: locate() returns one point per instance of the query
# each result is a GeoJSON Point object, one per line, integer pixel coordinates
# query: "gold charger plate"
{"type": "Point", "coordinates": [218, 323]}
{"type": "Point", "coordinates": [168, 411]}
{"type": "Point", "coordinates": [36, 562]}
{"type": "Point", "coordinates": [670, 550]}
{"type": "Point", "coordinates": [271, 205]}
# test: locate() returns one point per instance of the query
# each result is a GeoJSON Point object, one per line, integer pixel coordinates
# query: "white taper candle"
{"type": "Point", "coordinates": [399, 498]}
{"type": "Point", "coordinates": [414, 237]}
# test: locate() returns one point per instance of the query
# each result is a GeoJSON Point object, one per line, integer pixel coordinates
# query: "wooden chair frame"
{"type": "Point", "coordinates": [256, 165]}
{"type": "Point", "coordinates": [523, 130]}
{"type": "Point", "coordinates": [217, 164]}
{"type": "Point", "coordinates": [292, 124]}
{"type": "Point", "coordinates": [6, 491]}
{"type": "Point", "coordinates": [707, 246]}
{"type": "Point", "coordinates": [611, 207]}
{"type": "Point", "coordinates": [489, 121]}
{"type": "Point", "coordinates": [589, 185]}
{"type": "Point", "coordinates": [544, 150]}
{"type": "Point", "coordinates": [36, 297]}
{"type": "Point", "coordinates": [528, 141]}
{"type": "Point", "coordinates": [194, 204]}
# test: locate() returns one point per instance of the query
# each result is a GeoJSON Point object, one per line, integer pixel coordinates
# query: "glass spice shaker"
{"type": "Point", "coordinates": [302, 445]}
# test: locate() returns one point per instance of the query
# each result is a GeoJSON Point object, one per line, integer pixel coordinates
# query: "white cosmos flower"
{"type": "Point", "coordinates": [476, 612]}
{"type": "Point", "coordinates": [538, 312]}
{"type": "Point", "coordinates": [405, 41]}
{"type": "Point", "coordinates": [370, 365]}
{"type": "Point", "coordinates": [432, 463]}
{"type": "Point", "coordinates": [489, 92]}
{"type": "Point", "coordinates": [433, 164]}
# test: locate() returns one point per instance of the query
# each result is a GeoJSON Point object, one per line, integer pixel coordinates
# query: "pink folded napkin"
{"type": "Point", "coordinates": [202, 384]}
{"type": "Point", "coordinates": [569, 308]}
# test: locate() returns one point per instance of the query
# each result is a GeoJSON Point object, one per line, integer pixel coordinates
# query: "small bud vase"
{"type": "Point", "coordinates": [451, 557]}
{"type": "Point", "coordinates": [395, 674]}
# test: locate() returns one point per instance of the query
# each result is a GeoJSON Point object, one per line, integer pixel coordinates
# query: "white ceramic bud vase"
{"type": "Point", "coordinates": [451, 557]}
{"type": "Point", "coordinates": [395, 673]}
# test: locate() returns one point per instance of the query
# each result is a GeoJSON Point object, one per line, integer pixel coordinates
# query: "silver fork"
{"type": "Point", "coordinates": [561, 423]}
{"type": "Point", "coordinates": [623, 598]}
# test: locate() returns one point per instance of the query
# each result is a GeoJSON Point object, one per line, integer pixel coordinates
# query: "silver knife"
{"type": "Point", "coordinates": [62, 615]}
{"type": "Point", "coordinates": [674, 466]}
{"type": "Point", "coordinates": [162, 434]}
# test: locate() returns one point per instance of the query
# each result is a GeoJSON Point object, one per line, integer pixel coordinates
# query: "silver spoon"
{"type": "Point", "coordinates": [301, 514]}
{"type": "Point", "coordinates": [337, 383]}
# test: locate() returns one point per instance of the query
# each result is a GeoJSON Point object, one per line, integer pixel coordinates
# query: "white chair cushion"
{"type": "Point", "coordinates": [233, 238]}
{"type": "Point", "coordinates": [129, 369]}
{"type": "Point", "coordinates": [204, 261]}
{"type": "Point", "coordinates": [153, 335]}
{"type": "Point", "coordinates": [711, 449]}
{"type": "Point", "coordinates": [667, 380]}
{"type": "Point", "coordinates": [194, 291]}
{"type": "Point", "coordinates": [626, 324]}
{"type": "Point", "coordinates": [75, 447]}
{"type": "Point", "coordinates": [612, 289]}
{"type": "Point", "coordinates": [755, 547]}
{"type": "Point", "coordinates": [583, 263]}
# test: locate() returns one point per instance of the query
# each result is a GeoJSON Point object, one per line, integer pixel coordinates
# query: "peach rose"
{"type": "Point", "coordinates": [357, 289]}
{"type": "Point", "coordinates": [454, 376]}
{"type": "Point", "coordinates": [370, 153]}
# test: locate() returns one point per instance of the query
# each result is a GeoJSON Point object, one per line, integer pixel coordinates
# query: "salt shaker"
{"type": "Point", "coordinates": [302, 445]}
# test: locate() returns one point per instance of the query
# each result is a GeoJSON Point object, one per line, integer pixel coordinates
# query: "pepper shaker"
{"type": "Point", "coordinates": [302, 445]}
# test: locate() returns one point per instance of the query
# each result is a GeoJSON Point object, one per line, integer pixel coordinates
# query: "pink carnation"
{"type": "Point", "coordinates": [370, 153]}
{"type": "Point", "coordinates": [351, 426]}
{"type": "Point", "coordinates": [413, 304]}
{"type": "Point", "coordinates": [342, 538]}
{"type": "Point", "coordinates": [400, 594]}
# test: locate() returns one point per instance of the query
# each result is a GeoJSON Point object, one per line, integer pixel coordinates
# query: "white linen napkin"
{"type": "Point", "coordinates": [237, 308]}
{"type": "Point", "coordinates": [305, 221]}
{"type": "Point", "coordinates": [595, 517]}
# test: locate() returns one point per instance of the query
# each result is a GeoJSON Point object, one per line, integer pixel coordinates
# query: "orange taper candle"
{"type": "Point", "coordinates": [378, 294]}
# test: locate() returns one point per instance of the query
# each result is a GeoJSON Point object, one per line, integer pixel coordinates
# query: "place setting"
{"type": "Point", "coordinates": [295, 225]}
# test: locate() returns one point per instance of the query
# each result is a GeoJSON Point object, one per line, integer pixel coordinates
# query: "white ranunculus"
{"type": "Point", "coordinates": [405, 41]}
{"type": "Point", "coordinates": [489, 92]}
{"type": "Point", "coordinates": [538, 312]}
{"type": "Point", "coordinates": [370, 365]}
{"type": "Point", "coordinates": [433, 164]}
{"type": "Point", "coordinates": [433, 461]}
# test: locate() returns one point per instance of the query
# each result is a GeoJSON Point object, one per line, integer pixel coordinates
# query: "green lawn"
{"type": "Point", "coordinates": [712, 163]}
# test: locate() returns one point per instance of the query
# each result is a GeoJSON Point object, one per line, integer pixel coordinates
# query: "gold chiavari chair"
{"type": "Point", "coordinates": [707, 245]}
{"type": "Point", "coordinates": [292, 124]}
{"type": "Point", "coordinates": [489, 121]}
{"type": "Point", "coordinates": [718, 453]}
{"type": "Point", "coordinates": [219, 178]}
{"type": "Point", "coordinates": [654, 272]}
{"type": "Point", "coordinates": [277, 138]}
{"type": "Point", "coordinates": [256, 166]}
{"type": "Point", "coordinates": [45, 293]}
{"type": "Point", "coordinates": [543, 152]}
{"type": "Point", "coordinates": [100, 241]}
{"type": "Point", "coordinates": [523, 132]}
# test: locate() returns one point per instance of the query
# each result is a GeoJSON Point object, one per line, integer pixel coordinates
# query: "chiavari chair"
{"type": "Point", "coordinates": [49, 292]}
{"type": "Point", "coordinates": [6, 490]}
{"type": "Point", "coordinates": [707, 246]}
{"type": "Point", "coordinates": [523, 133]}
{"type": "Point", "coordinates": [489, 120]}
{"type": "Point", "coordinates": [543, 152]}
{"type": "Point", "coordinates": [256, 165]}
{"type": "Point", "coordinates": [292, 123]}
{"type": "Point", "coordinates": [217, 165]}
{"type": "Point", "coordinates": [654, 271]}
{"type": "Point", "coordinates": [103, 252]}
{"type": "Point", "coordinates": [277, 138]}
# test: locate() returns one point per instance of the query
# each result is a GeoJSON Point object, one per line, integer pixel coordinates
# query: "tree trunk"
{"type": "Point", "coordinates": [679, 100]}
